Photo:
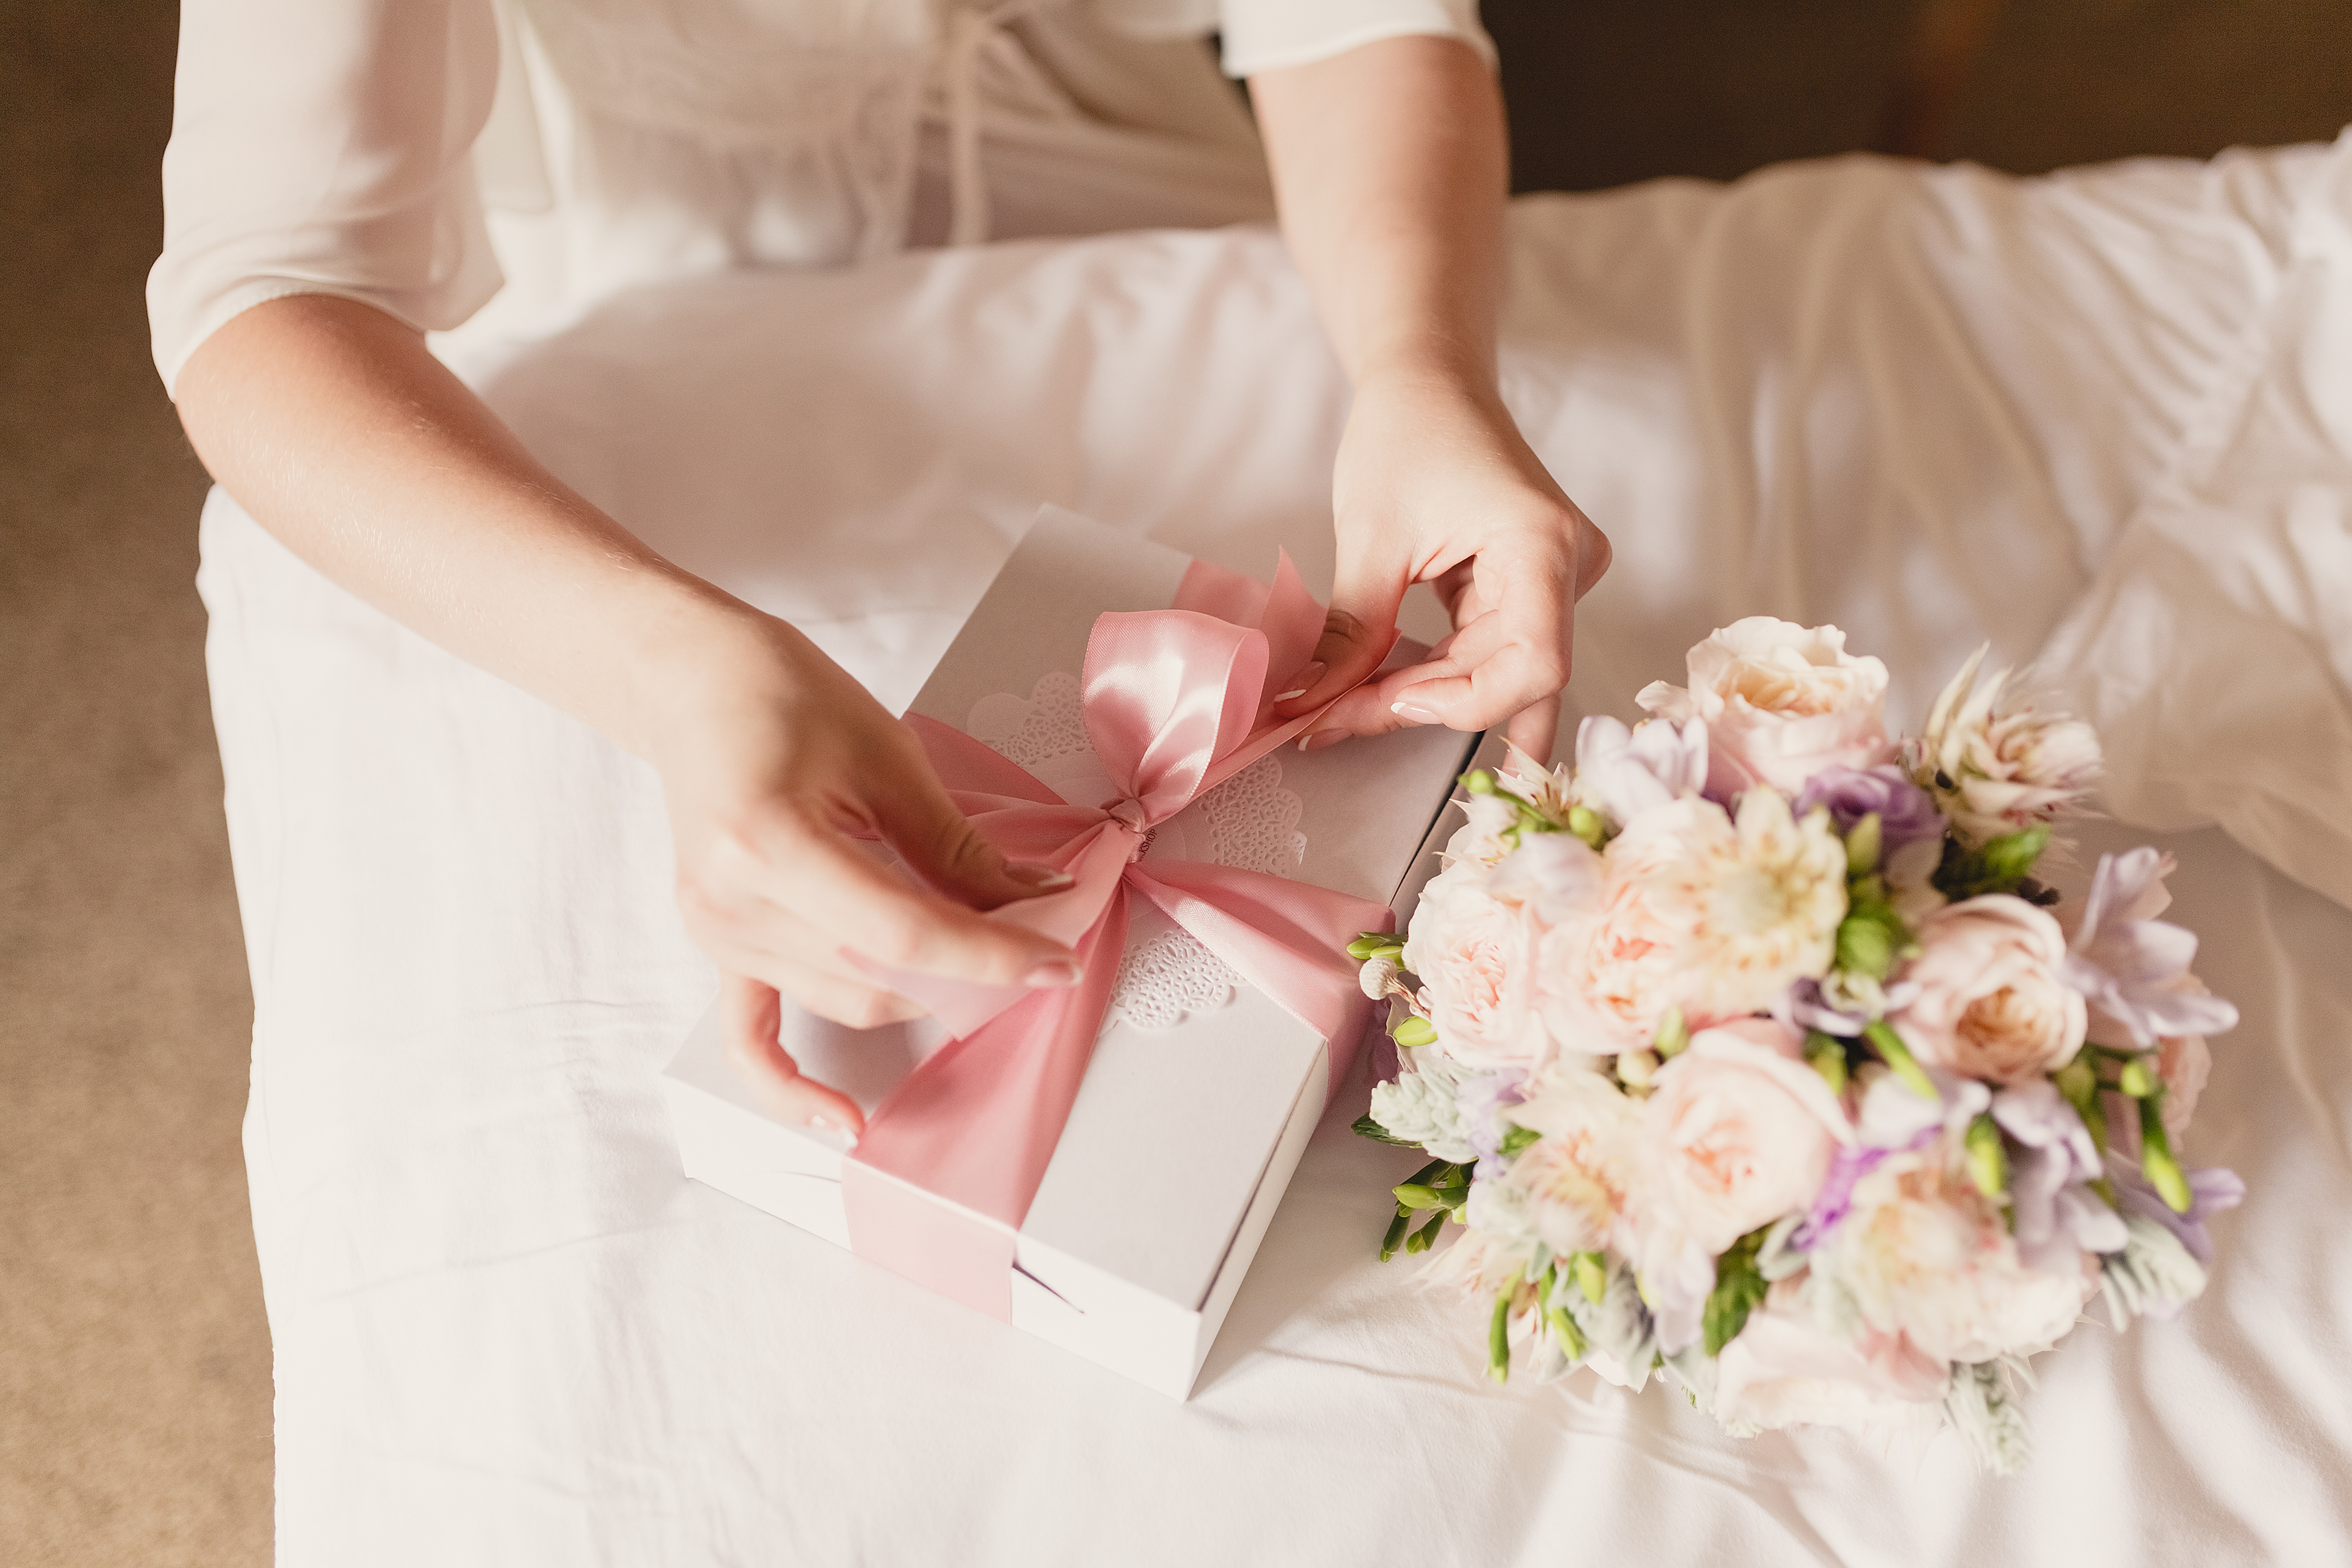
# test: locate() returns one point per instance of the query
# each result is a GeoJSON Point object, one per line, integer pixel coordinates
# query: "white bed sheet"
{"type": "Point", "coordinates": [1934, 406]}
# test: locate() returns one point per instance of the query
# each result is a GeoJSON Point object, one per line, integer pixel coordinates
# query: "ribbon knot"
{"type": "Point", "coordinates": [1175, 701]}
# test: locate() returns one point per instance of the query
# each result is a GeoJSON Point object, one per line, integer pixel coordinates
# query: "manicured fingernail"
{"type": "Point", "coordinates": [1320, 738]}
{"type": "Point", "coordinates": [1412, 715]}
{"type": "Point", "coordinates": [820, 1121]}
{"type": "Point", "coordinates": [1058, 975]}
{"type": "Point", "coordinates": [1303, 681]}
{"type": "Point", "coordinates": [1039, 876]}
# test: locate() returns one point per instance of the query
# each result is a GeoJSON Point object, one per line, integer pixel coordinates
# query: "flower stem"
{"type": "Point", "coordinates": [1897, 1056]}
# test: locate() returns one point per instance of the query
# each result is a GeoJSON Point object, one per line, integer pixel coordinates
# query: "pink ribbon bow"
{"type": "Point", "coordinates": [1175, 703]}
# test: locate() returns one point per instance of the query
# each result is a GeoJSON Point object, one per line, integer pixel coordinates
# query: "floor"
{"type": "Point", "coordinates": [134, 1358]}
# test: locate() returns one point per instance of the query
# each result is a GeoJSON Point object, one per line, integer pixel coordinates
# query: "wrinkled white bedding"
{"type": "Point", "coordinates": [1934, 406]}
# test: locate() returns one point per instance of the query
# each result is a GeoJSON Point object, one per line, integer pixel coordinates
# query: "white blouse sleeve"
{"type": "Point", "coordinates": [1267, 34]}
{"type": "Point", "coordinates": [323, 147]}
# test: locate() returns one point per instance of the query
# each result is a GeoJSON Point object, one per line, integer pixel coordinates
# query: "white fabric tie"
{"type": "Point", "coordinates": [969, 28]}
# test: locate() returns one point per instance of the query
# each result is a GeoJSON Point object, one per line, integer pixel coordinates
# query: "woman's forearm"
{"type": "Point", "coordinates": [335, 427]}
{"type": "Point", "coordinates": [1391, 168]}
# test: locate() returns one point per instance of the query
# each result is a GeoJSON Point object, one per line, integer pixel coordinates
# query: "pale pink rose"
{"type": "Point", "coordinates": [1781, 702]}
{"type": "Point", "coordinates": [1738, 1131]}
{"type": "Point", "coordinates": [1475, 956]}
{"type": "Point", "coordinates": [1927, 1256]}
{"type": "Point", "coordinates": [1783, 1371]}
{"type": "Point", "coordinates": [1698, 913]}
{"type": "Point", "coordinates": [1573, 1182]}
{"type": "Point", "coordinates": [1991, 1003]}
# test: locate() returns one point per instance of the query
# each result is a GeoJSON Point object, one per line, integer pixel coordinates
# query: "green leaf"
{"type": "Point", "coordinates": [1365, 1127]}
{"type": "Point", "coordinates": [1738, 1291]}
{"type": "Point", "coordinates": [1517, 1138]}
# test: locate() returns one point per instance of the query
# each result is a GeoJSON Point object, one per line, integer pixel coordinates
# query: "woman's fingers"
{"type": "Point", "coordinates": [1358, 631]}
{"type": "Point", "coordinates": [941, 846]}
{"type": "Point", "coordinates": [866, 910]}
{"type": "Point", "coordinates": [751, 1014]}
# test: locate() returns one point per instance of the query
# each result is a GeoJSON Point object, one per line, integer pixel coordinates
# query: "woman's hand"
{"type": "Point", "coordinates": [336, 429]}
{"type": "Point", "coordinates": [773, 773]}
{"type": "Point", "coordinates": [1390, 168]}
{"type": "Point", "coordinates": [1433, 484]}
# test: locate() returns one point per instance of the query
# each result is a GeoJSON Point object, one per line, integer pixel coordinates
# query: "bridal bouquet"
{"type": "Point", "coordinates": [1751, 1052]}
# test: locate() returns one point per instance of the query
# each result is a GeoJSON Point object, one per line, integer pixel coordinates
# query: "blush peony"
{"type": "Point", "coordinates": [1475, 956]}
{"type": "Point", "coordinates": [1781, 702]}
{"type": "Point", "coordinates": [1988, 999]}
{"type": "Point", "coordinates": [1784, 1370]}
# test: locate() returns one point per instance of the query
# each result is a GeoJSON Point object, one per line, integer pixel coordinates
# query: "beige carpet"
{"type": "Point", "coordinates": [135, 1361]}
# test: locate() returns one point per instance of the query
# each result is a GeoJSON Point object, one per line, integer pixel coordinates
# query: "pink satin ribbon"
{"type": "Point", "coordinates": [1175, 702]}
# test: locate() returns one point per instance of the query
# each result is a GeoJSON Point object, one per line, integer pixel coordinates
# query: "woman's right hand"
{"type": "Point", "coordinates": [775, 762]}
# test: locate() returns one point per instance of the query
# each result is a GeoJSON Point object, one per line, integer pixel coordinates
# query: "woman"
{"type": "Point", "coordinates": [326, 190]}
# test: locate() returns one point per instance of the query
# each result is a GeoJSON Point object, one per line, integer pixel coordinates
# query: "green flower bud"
{"type": "Point", "coordinates": [1827, 1054]}
{"type": "Point", "coordinates": [2164, 1172]}
{"type": "Point", "coordinates": [1590, 1276]}
{"type": "Point", "coordinates": [1413, 1030]}
{"type": "Point", "coordinates": [1987, 1161]}
{"type": "Point", "coordinates": [1586, 824]}
{"type": "Point", "coordinates": [1395, 1237]}
{"type": "Point", "coordinates": [1478, 781]}
{"type": "Point", "coordinates": [1369, 943]}
{"type": "Point", "coordinates": [2138, 1080]}
{"type": "Point", "coordinates": [2078, 1081]}
{"type": "Point", "coordinates": [1563, 1329]}
{"type": "Point", "coordinates": [1896, 1054]}
{"type": "Point", "coordinates": [1863, 847]}
{"type": "Point", "coordinates": [1674, 1034]}
{"type": "Point", "coordinates": [1498, 1338]}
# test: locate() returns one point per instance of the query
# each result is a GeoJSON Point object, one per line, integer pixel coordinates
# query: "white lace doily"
{"type": "Point", "coordinates": [1249, 821]}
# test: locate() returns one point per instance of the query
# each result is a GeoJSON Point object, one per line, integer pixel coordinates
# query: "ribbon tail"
{"type": "Point", "coordinates": [944, 1175]}
{"type": "Point", "coordinates": [1285, 938]}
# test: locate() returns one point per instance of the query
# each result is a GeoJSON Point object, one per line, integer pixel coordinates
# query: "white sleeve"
{"type": "Point", "coordinates": [1267, 34]}
{"type": "Point", "coordinates": [323, 147]}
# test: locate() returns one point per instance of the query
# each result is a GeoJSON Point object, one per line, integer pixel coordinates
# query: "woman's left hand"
{"type": "Point", "coordinates": [1435, 484]}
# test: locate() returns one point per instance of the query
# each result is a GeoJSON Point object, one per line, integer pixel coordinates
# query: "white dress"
{"type": "Point", "coordinates": [426, 156]}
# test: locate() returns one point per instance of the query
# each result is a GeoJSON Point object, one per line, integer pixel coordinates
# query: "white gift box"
{"type": "Point", "coordinates": [1202, 1091]}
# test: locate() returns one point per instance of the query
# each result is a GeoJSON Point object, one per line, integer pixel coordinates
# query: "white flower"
{"type": "Point", "coordinates": [1622, 772]}
{"type": "Point", "coordinates": [1419, 1106]}
{"type": "Point", "coordinates": [1785, 1370]}
{"type": "Point", "coordinates": [1781, 702]}
{"type": "Point", "coordinates": [1994, 773]}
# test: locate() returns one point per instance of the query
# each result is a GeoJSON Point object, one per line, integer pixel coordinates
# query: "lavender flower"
{"type": "Point", "coordinates": [2211, 1191]}
{"type": "Point", "coordinates": [2132, 968]}
{"type": "Point", "coordinates": [1906, 813]}
{"type": "Point", "coordinates": [2058, 1218]}
{"type": "Point", "coordinates": [1482, 1098]}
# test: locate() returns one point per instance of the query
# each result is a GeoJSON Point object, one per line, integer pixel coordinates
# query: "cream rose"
{"type": "Point", "coordinates": [1927, 1256]}
{"type": "Point", "coordinates": [1783, 1371]}
{"type": "Point", "coordinates": [1698, 913]}
{"type": "Point", "coordinates": [1475, 956]}
{"type": "Point", "coordinates": [1738, 1132]}
{"type": "Point", "coordinates": [1781, 702]}
{"type": "Point", "coordinates": [1990, 1002]}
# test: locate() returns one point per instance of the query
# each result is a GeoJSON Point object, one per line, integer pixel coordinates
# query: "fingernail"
{"type": "Point", "coordinates": [1303, 681]}
{"type": "Point", "coordinates": [820, 1121]}
{"type": "Point", "coordinates": [1320, 738]}
{"type": "Point", "coordinates": [1412, 715]}
{"type": "Point", "coordinates": [1039, 876]}
{"type": "Point", "coordinates": [1058, 975]}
